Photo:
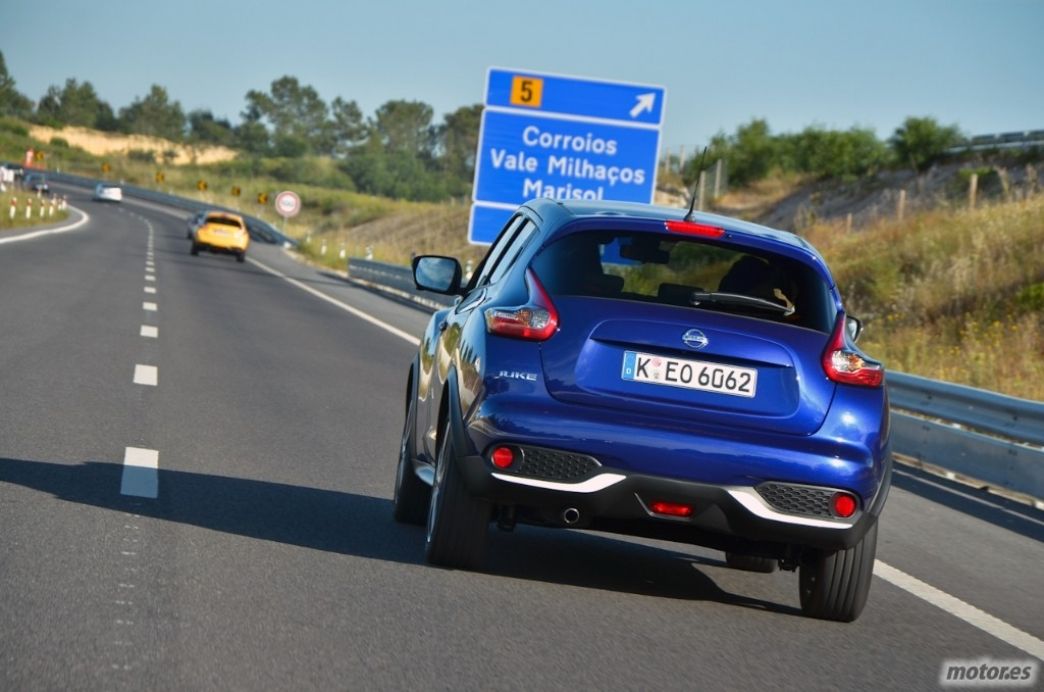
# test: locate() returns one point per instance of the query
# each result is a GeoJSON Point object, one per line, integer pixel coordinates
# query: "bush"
{"type": "Point", "coordinates": [14, 127]}
{"type": "Point", "coordinates": [143, 155]}
{"type": "Point", "coordinates": [59, 143]}
{"type": "Point", "coordinates": [920, 142]}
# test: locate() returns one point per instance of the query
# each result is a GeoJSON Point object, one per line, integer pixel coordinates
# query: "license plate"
{"type": "Point", "coordinates": [689, 374]}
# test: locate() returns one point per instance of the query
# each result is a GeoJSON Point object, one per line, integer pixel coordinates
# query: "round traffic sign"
{"type": "Point", "coordinates": [287, 204]}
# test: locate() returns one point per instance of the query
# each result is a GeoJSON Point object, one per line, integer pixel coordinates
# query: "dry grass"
{"type": "Point", "coordinates": [19, 220]}
{"type": "Point", "coordinates": [759, 197]}
{"type": "Point", "coordinates": [956, 295]}
{"type": "Point", "coordinates": [109, 143]}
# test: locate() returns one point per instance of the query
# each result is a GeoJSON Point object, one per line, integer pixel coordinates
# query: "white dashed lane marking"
{"type": "Point", "coordinates": [140, 474]}
{"type": "Point", "coordinates": [148, 307]}
{"type": "Point", "coordinates": [150, 277]}
{"type": "Point", "coordinates": [150, 331]}
{"type": "Point", "coordinates": [150, 289]}
{"type": "Point", "coordinates": [146, 374]}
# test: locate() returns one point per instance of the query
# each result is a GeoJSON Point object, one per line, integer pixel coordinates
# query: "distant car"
{"type": "Point", "coordinates": [195, 222]}
{"type": "Point", "coordinates": [107, 192]}
{"type": "Point", "coordinates": [622, 368]}
{"type": "Point", "coordinates": [37, 182]}
{"type": "Point", "coordinates": [222, 232]}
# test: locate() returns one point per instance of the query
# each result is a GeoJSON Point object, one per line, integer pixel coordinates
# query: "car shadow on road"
{"type": "Point", "coordinates": [361, 525]}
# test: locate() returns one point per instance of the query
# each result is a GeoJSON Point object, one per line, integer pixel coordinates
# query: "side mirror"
{"type": "Point", "coordinates": [853, 327]}
{"type": "Point", "coordinates": [437, 274]}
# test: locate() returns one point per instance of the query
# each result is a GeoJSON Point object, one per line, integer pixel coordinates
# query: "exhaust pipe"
{"type": "Point", "coordinates": [570, 515]}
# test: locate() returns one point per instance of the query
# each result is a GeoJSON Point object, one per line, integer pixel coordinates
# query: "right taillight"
{"type": "Point", "coordinates": [537, 320]}
{"type": "Point", "coordinates": [844, 364]}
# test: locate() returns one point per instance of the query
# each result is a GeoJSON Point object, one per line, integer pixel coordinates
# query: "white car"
{"type": "Point", "coordinates": [105, 192]}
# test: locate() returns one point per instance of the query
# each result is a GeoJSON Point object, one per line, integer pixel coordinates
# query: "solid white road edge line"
{"type": "Point", "coordinates": [146, 374]}
{"type": "Point", "coordinates": [61, 229]}
{"type": "Point", "coordinates": [964, 611]}
{"type": "Point", "coordinates": [333, 301]}
{"type": "Point", "coordinates": [140, 472]}
{"type": "Point", "coordinates": [150, 331]}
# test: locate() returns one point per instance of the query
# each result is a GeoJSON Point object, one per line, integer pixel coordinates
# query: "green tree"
{"type": "Point", "coordinates": [204, 127]}
{"type": "Point", "coordinates": [346, 127]}
{"type": "Point", "coordinates": [12, 102]}
{"type": "Point", "coordinates": [458, 142]}
{"type": "Point", "coordinates": [155, 115]}
{"type": "Point", "coordinates": [397, 174]}
{"type": "Point", "coordinates": [832, 153]}
{"type": "Point", "coordinates": [73, 104]}
{"type": "Point", "coordinates": [295, 112]}
{"type": "Point", "coordinates": [404, 126]}
{"type": "Point", "coordinates": [921, 141]}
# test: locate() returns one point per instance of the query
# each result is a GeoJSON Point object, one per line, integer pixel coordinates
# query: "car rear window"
{"type": "Point", "coordinates": [224, 221]}
{"type": "Point", "coordinates": [668, 270]}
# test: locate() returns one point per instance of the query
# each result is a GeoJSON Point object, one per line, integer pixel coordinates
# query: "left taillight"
{"type": "Point", "coordinates": [845, 365]}
{"type": "Point", "coordinates": [537, 320]}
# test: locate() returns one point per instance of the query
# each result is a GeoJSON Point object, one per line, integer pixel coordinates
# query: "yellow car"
{"type": "Point", "coordinates": [221, 232]}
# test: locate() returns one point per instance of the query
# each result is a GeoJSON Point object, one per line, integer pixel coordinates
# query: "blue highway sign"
{"type": "Point", "coordinates": [562, 137]}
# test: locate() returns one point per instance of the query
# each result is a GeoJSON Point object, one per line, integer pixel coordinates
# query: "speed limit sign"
{"type": "Point", "coordinates": [287, 204]}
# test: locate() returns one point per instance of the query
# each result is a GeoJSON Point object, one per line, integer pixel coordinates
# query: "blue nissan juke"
{"type": "Point", "coordinates": [632, 369]}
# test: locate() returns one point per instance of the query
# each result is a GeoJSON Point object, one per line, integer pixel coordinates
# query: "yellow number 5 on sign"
{"type": "Point", "coordinates": [527, 91]}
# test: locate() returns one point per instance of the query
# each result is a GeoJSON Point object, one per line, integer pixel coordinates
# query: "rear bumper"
{"type": "Point", "coordinates": [220, 244]}
{"type": "Point", "coordinates": [715, 475]}
{"type": "Point", "coordinates": [724, 517]}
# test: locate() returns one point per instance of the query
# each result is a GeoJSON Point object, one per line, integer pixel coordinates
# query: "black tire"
{"type": "Point", "coordinates": [458, 523]}
{"type": "Point", "coordinates": [751, 563]}
{"type": "Point", "coordinates": [195, 249]}
{"type": "Point", "coordinates": [241, 257]}
{"type": "Point", "coordinates": [412, 495]}
{"type": "Point", "coordinates": [834, 586]}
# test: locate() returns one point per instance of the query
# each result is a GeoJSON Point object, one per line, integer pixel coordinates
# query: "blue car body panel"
{"type": "Point", "coordinates": [567, 393]}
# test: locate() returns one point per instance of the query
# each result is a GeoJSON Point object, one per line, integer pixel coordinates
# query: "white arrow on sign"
{"type": "Point", "coordinates": [645, 103]}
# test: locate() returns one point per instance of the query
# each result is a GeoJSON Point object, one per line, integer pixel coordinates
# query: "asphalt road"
{"type": "Point", "coordinates": [269, 560]}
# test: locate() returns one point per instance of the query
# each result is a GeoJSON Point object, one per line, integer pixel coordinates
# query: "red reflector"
{"type": "Point", "coordinates": [503, 457]}
{"type": "Point", "coordinates": [693, 228]}
{"type": "Point", "coordinates": [671, 509]}
{"type": "Point", "coordinates": [844, 505]}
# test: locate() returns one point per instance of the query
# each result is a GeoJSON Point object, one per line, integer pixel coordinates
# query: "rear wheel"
{"type": "Point", "coordinates": [750, 563]}
{"type": "Point", "coordinates": [241, 256]}
{"type": "Point", "coordinates": [412, 495]}
{"type": "Point", "coordinates": [457, 522]}
{"type": "Point", "coordinates": [834, 586]}
{"type": "Point", "coordinates": [195, 249]}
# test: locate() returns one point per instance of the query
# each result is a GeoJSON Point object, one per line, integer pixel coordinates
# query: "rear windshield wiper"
{"type": "Point", "coordinates": [718, 298]}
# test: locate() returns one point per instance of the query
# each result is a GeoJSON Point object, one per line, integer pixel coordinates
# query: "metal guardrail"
{"type": "Point", "coordinates": [991, 437]}
{"type": "Point", "coordinates": [259, 228]}
{"type": "Point", "coordinates": [1005, 140]}
{"type": "Point", "coordinates": [399, 279]}
{"type": "Point", "coordinates": [987, 436]}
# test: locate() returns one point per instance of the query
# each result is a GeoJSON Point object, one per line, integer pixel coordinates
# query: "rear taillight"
{"type": "Point", "coordinates": [693, 228]}
{"type": "Point", "coordinates": [535, 321]}
{"type": "Point", "coordinates": [843, 364]}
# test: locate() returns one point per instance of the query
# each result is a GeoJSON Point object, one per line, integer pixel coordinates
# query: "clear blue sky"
{"type": "Point", "coordinates": [976, 63]}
